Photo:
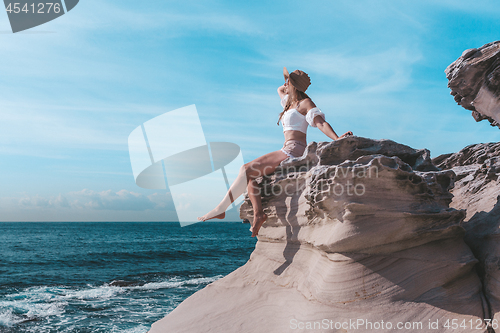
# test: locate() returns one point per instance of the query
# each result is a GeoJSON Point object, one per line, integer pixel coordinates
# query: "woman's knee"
{"type": "Point", "coordinates": [251, 169]}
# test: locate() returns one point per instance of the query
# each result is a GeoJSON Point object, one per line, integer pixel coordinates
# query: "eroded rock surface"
{"type": "Point", "coordinates": [474, 80]}
{"type": "Point", "coordinates": [477, 169]}
{"type": "Point", "coordinates": [477, 189]}
{"type": "Point", "coordinates": [358, 230]}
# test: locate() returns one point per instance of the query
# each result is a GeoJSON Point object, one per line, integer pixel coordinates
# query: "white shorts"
{"type": "Point", "coordinates": [293, 148]}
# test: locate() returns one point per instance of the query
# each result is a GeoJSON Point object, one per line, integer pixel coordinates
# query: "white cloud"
{"type": "Point", "coordinates": [377, 72]}
{"type": "Point", "coordinates": [85, 199]}
{"type": "Point", "coordinates": [43, 125]}
{"type": "Point", "coordinates": [486, 8]}
{"type": "Point", "coordinates": [44, 130]}
{"type": "Point", "coordinates": [44, 202]}
{"type": "Point", "coordinates": [163, 18]}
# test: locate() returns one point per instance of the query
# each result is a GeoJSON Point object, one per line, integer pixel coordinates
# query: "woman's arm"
{"type": "Point", "coordinates": [320, 122]}
{"type": "Point", "coordinates": [325, 127]}
{"type": "Point", "coordinates": [282, 91]}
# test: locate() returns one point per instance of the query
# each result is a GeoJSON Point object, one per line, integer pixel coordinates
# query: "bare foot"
{"type": "Point", "coordinates": [208, 216]}
{"type": "Point", "coordinates": [258, 220]}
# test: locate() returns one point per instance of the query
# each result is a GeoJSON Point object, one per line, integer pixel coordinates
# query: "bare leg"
{"type": "Point", "coordinates": [263, 165]}
{"type": "Point", "coordinates": [236, 189]}
{"type": "Point", "coordinates": [259, 217]}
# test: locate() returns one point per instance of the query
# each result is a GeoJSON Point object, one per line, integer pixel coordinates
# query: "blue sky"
{"type": "Point", "coordinates": [73, 89]}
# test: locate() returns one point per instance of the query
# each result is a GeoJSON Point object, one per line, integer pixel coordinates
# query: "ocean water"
{"type": "Point", "coordinates": [109, 277]}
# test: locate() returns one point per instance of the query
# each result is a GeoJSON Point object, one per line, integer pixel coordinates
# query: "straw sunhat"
{"type": "Point", "coordinates": [298, 79]}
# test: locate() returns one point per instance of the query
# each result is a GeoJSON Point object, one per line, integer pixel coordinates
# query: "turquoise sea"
{"type": "Point", "coordinates": [109, 277]}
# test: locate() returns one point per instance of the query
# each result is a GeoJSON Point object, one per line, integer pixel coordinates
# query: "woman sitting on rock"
{"type": "Point", "coordinates": [299, 111]}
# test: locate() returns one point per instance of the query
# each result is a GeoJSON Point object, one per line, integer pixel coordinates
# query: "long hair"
{"type": "Point", "coordinates": [295, 96]}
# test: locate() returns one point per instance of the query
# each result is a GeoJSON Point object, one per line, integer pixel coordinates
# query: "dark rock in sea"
{"type": "Point", "coordinates": [122, 283]}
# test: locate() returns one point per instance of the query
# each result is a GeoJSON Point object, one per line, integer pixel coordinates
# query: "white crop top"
{"type": "Point", "coordinates": [293, 120]}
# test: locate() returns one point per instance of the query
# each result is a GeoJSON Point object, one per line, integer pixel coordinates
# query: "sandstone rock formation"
{"type": "Point", "coordinates": [477, 189]}
{"type": "Point", "coordinates": [360, 237]}
{"type": "Point", "coordinates": [474, 80]}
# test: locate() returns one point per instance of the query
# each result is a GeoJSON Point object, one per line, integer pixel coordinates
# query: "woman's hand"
{"type": "Point", "coordinates": [349, 133]}
{"type": "Point", "coordinates": [282, 91]}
